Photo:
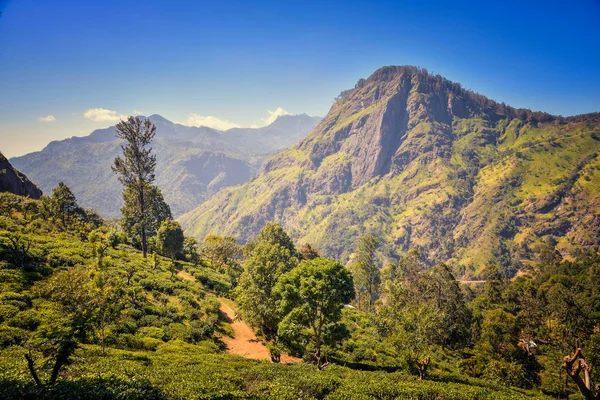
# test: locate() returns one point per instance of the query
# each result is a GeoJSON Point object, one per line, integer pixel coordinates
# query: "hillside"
{"type": "Point", "coordinates": [422, 163]}
{"type": "Point", "coordinates": [193, 162]}
{"type": "Point", "coordinates": [15, 182]}
{"type": "Point", "coordinates": [140, 328]}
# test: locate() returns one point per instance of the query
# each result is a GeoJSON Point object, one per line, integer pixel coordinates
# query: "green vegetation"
{"type": "Point", "coordinates": [136, 173]}
{"type": "Point", "coordinates": [504, 195]}
{"type": "Point", "coordinates": [270, 256]}
{"type": "Point", "coordinates": [169, 239]}
{"type": "Point", "coordinates": [312, 297]}
{"type": "Point", "coordinates": [420, 163]}
{"type": "Point", "coordinates": [85, 315]}
{"type": "Point", "coordinates": [365, 270]}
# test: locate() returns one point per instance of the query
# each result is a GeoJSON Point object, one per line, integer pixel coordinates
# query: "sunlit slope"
{"type": "Point", "coordinates": [422, 163]}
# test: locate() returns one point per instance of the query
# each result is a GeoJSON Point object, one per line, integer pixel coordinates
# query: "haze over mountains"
{"type": "Point", "coordinates": [192, 162]}
{"type": "Point", "coordinates": [418, 161]}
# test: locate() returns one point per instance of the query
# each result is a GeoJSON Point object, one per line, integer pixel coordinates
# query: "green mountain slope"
{"type": "Point", "coordinates": [422, 163]}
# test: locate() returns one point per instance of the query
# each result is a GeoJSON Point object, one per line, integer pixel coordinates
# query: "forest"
{"type": "Point", "coordinates": [132, 308]}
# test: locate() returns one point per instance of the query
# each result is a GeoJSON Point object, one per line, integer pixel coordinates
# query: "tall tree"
{"type": "Point", "coordinates": [443, 289]}
{"type": "Point", "coordinates": [136, 168]}
{"type": "Point", "coordinates": [365, 270]}
{"type": "Point", "coordinates": [423, 309]}
{"type": "Point", "coordinates": [313, 295]}
{"type": "Point", "coordinates": [273, 254]}
{"type": "Point", "coordinates": [156, 211]}
{"type": "Point", "coordinates": [64, 203]}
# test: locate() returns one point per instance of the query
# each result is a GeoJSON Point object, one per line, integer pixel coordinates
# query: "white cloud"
{"type": "Point", "coordinates": [47, 118]}
{"type": "Point", "coordinates": [136, 113]}
{"type": "Point", "coordinates": [211, 122]}
{"type": "Point", "coordinates": [273, 115]}
{"type": "Point", "coordinates": [102, 114]}
{"type": "Point", "coordinates": [222, 124]}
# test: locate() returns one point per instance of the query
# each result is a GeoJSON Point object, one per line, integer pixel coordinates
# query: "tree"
{"type": "Point", "coordinates": [221, 251]}
{"type": "Point", "coordinates": [414, 328]}
{"type": "Point", "coordinates": [308, 252]}
{"type": "Point", "coordinates": [224, 254]}
{"type": "Point", "coordinates": [255, 295]}
{"type": "Point", "coordinates": [19, 246]}
{"type": "Point", "coordinates": [273, 233]}
{"type": "Point", "coordinates": [365, 270]}
{"type": "Point", "coordinates": [443, 289]}
{"type": "Point", "coordinates": [108, 297]}
{"type": "Point", "coordinates": [422, 310]}
{"type": "Point", "coordinates": [136, 168]}
{"type": "Point", "coordinates": [271, 255]}
{"type": "Point", "coordinates": [64, 203]}
{"type": "Point", "coordinates": [493, 287]}
{"type": "Point", "coordinates": [66, 313]}
{"type": "Point", "coordinates": [190, 250]}
{"type": "Point", "coordinates": [169, 239]}
{"type": "Point", "coordinates": [313, 295]}
{"type": "Point", "coordinates": [156, 211]}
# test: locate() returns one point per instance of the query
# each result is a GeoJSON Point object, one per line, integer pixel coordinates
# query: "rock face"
{"type": "Point", "coordinates": [15, 182]}
{"type": "Point", "coordinates": [422, 163]}
{"type": "Point", "coordinates": [192, 162]}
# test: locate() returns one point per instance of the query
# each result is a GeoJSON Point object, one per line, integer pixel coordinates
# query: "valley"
{"type": "Point", "coordinates": [194, 162]}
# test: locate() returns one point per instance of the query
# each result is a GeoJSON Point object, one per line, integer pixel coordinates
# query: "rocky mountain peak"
{"type": "Point", "coordinates": [417, 159]}
{"type": "Point", "coordinates": [11, 180]}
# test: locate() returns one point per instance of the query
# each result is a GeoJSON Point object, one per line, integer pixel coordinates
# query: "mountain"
{"type": "Point", "coordinates": [424, 164]}
{"type": "Point", "coordinates": [192, 162]}
{"type": "Point", "coordinates": [284, 132]}
{"type": "Point", "coordinates": [11, 180]}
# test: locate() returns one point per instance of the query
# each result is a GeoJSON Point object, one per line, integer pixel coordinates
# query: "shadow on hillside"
{"type": "Point", "coordinates": [225, 317]}
{"type": "Point", "coordinates": [363, 367]}
{"type": "Point", "coordinates": [83, 389]}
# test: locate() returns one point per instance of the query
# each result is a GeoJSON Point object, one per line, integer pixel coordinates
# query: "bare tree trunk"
{"type": "Point", "coordinates": [102, 334]}
{"type": "Point", "coordinates": [574, 365]}
{"type": "Point", "coordinates": [422, 366]}
{"type": "Point", "coordinates": [320, 364]}
{"type": "Point", "coordinates": [64, 352]}
{"type": "Point", "coordinates": [31, 367]}
{"type": "Point", "coordinates": [143, 213]}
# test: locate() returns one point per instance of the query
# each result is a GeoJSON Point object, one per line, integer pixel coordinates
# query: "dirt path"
{"type": "Point", "coordinates": [185, 276]}
{"type": "Point", "coordinates": [244, 342]}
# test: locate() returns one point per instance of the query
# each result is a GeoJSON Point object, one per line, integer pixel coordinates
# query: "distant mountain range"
{"type": "Point", "coordinates": [422, 163]}
{"type": "Point", "coordinates": [192, 162]}
{"type": "Point", "coordinates": [13, 181]}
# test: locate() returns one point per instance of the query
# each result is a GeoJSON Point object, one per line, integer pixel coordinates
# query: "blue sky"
{"type": "Point", "coordinates": [69, 67]}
